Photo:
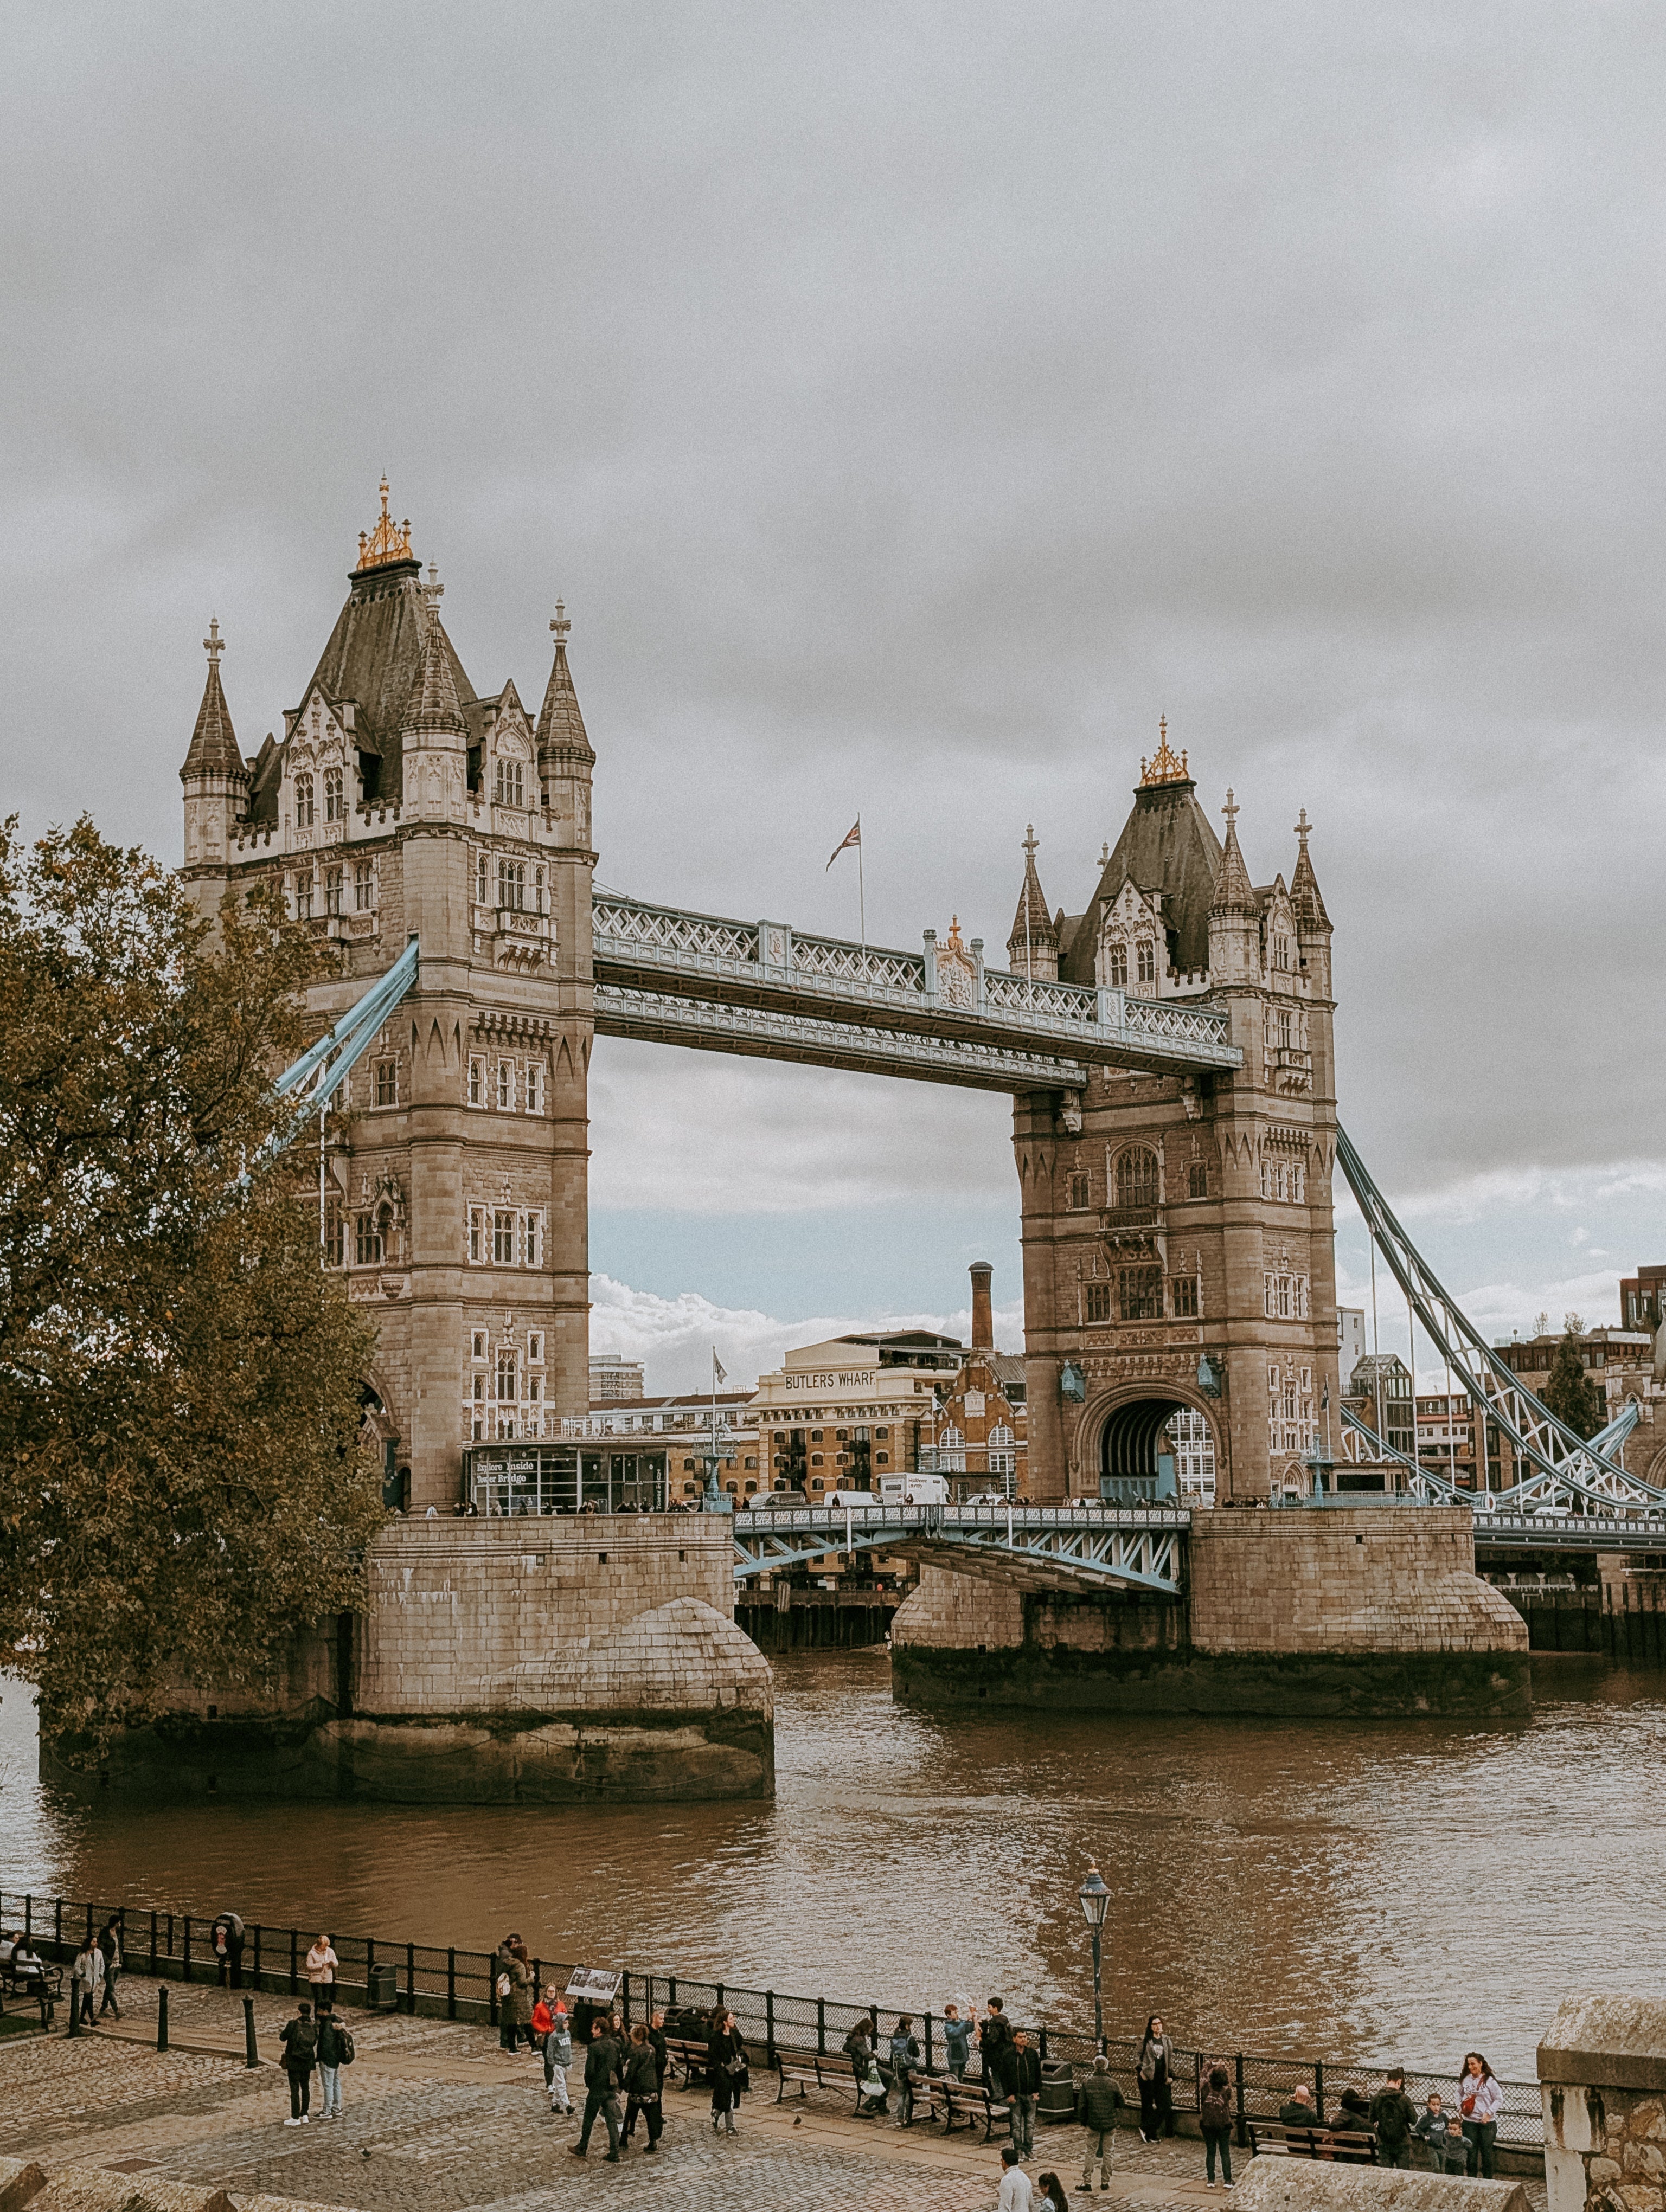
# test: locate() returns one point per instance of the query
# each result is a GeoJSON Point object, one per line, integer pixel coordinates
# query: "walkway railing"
{"type": "Point", "coordinates": [460, 1984]}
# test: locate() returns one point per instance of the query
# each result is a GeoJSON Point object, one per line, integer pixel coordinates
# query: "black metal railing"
{"type": "Point", "coordinates": [455, 1983]}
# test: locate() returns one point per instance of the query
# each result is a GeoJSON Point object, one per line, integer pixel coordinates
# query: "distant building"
{"type": "Point", "coordinates": [1641, 1296]}
{"type": "Point", "coordinates": [1351, 1338]}
{"type": "Point", "coordinates": [840, 1414]}
{"type": "Point", "coordinates": [669, 1442]}
{"type": "Point", "coordinates": [612, 1376]}
{"type": "Point", "coordinates": [1449, 1444]}
{"type": "Point", "coordinates": [980, 1440]}
{"type": "Point", "coordinates": [1600, 1349]}
{"type": "Point", "coordinates": [1380, 1393]}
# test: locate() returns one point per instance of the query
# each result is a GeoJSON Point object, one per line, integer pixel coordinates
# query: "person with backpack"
{"type": "Point", "coordinates": [1156, 2075]}
{"type": "Point", "coordinates": [335, 2050]}
{"type": "Point", "coordinates": [1214, 2119]}
{"type": "Point", "coordinates": [299, 2040]}
{"type": "Point", "coordinates": [1393, 2117]}
{"type": "Point", "coordinates": [905, 2056]}
{"type": "Point", "coordinates": [1097, 2104]}
{"type": "Point", "coordinates": [641, 2083]}
{"type": "Point", "coordinates": [1479, 2101]}
{"type": "Point", "coordinates": [110, 1948]}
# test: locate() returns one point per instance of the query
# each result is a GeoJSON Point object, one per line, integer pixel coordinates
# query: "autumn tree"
{"type": "Point", "coordinates": [182, 1481]}
{"type": "Point", "coordinates": [1570, 1393]}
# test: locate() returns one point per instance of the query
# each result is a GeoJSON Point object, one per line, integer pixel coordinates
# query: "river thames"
{"type": "Point", "coordinates": [1359, 1890]}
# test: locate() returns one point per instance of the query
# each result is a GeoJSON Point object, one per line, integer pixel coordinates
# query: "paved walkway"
{"type": "Point", "coordinates": [438, 2118]}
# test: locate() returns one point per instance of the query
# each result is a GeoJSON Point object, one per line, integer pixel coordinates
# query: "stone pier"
{"type": "Point", "coordinates": [1602, 2076]}
{"type": "Point", "coordinates": [1361, 1609]}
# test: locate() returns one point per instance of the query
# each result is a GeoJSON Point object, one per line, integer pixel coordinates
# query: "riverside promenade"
{"type": "Point", "coordinates": [436, 2118]}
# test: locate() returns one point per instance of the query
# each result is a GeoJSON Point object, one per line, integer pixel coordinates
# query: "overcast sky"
{"type": "Point", "coordinates": [912, 404]}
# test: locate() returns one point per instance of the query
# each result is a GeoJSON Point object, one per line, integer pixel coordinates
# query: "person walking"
{"type": "Point", "coordinates": [558, 2055]}
{"type": "Point", "coordinates": [1025, 2063]}
{"type": "Point", "coordinates": [335, 2050]}
{"type": "Point", "coordinates": [86, 1971]}
{"type": "Point", "coordinates": [1479, 2101]}
{"type": "Point", "coordinates": [1393, 2117]}
{"type": "Point", "coordinates": [957, 2041]}
{"type": "Point", "coordinates": [321, 1965]}
{"type": "Point", "coordinates": [1214, 2119]}
{"type": "Point", "coordinates": [905, 2056]}
{"type": "Point", "coordinates": [299, 2037]}
{"type": "Point", "coordinates": [1156, 2074]}
{"type": "Point", "coordinates": [1050, 2192]}
{"type": "Point", "coordinates": [726, 2062]}
{"type": "Point", "coordinates": [656, 2036]}
{"type": "Point", "coordinates": [1016, 2194]}
{"type": "Point", "coordinates": [641, 2083]}
{"type": "Point", "coordinates": [600, 2094]}
{"type": "Point", "coordinates": [1097, 2104]}
{"type": "Point", "coordinates": [110, 1951]}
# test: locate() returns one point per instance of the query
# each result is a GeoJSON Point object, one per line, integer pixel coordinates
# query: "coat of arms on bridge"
{"type": "Point", "coordinates": [957, 971]}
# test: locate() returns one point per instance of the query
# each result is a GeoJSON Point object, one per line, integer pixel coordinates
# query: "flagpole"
{"type": "Point", "coordinates": [861, 889]}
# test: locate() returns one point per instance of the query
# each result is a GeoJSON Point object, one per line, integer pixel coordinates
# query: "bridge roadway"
{"type": "Point", "coordinates": [763, 989]}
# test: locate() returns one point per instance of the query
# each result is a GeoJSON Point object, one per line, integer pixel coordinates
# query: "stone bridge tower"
{"type": "Point", "coordinates": [1178, 1231]}
{"type": "Point", "coordinates": [399, 802]}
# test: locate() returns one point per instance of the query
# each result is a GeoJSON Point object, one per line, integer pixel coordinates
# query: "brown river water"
{"type": "Point", "coordinates": [1351, 1890]}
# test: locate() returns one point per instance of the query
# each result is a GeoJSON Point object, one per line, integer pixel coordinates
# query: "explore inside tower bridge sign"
{"type": "Point", "coordinates": [562, 1478]}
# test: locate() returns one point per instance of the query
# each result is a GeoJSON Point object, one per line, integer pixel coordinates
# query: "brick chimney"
{"type": "Point", "coordinates": [983, 1327]}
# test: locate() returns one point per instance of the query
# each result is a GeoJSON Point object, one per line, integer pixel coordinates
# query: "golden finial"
{"type": "Point", "coordinates": [954, 943]}
{"type": "Point", "coordinates": [388, 542]}
{"type": "Point", "coordinates": [1163, 766]}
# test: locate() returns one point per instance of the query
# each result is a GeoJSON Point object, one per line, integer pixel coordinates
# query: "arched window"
{"type": "Point", "coordinates": [333, 809]}
{"type": "Point", "coordinates": [1116, 966]}
{"type": "Point", "coordinates": [950, 1439]}
{"type": "Point", "coordinates": [508, 783]}
{"type": "Point", "coordinates": [1136, 1177]}
{"type": "Point", "coordinates": [1147, 961]}
{"type": "Point", "coordinates": [303, 802]}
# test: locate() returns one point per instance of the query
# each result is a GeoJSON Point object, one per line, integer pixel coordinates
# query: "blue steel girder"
{"type": "Point", "coordinates": [311, 1082]}
{"type": "Point", "coordinates": [1539, 1493]}
{"type": "Point", "coordinates": [943, 995]}
{"type": "Point", "coordinates": [1036, 1547]}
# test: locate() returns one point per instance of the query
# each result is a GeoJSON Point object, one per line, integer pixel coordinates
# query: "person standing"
{"type": "Point", "coordinates": [299, 2040]}
{"type": "Point", "coordinates": [641, 2083]}
{"type": "Point", "coordinates": [726, 2061]}
{"type": "Point", "coordinates": [85, 1974]}
{"type": "Point", "coordinates": [1024, 2066]}
{"type": "Point", "coordinates": [321, 1965]}
{"type": "Point", "coordinates": [864, 2067]}
{"type": "Point", "coordinates": [1016, 2194]}
{"type": "Point", "coordinates": [656, 2036]}
{"type": "Point", "coordinates": [1214, 2118]}
{"type": "Point", "coordinates": [511, 1984]}
{"type": "Point", "coordinates": [335, 2050]}
{"type": "Point", "coordinates": [1048, 2192]}
{"type": "Point", "coordinates": [991, 2036]}
{"type": "Point", "coordinates": [905, 2066]}
{"type": "Point", "coordinates": [600, 2094]}
{"type": "Point", "coordinates": [110, 1950]}
{"type": "Point", "coordinates": [957, 2041]}
{"type": "Point", "coordinates": [1431, 2132]}
{"type": "Point", "coordinates": [1156, 2072]}
{"type": "Point", "coordinates": [1479, 2101]}
{"type": "Point", "coordinates": [1097, 2102]}
{"type": "Point", "coordinates": [557, 2056]}
{"type": "Point", "coordinates": [1392, 2116]}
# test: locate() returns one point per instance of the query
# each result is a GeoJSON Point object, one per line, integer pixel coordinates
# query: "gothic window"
{"type": "Point", "coordinates": [303, 802]}
{"type": "Point", "coordinates": [1281, 953]}
{"type": "Point", "coordinates": [1139, 1293]}
{"type": "Point", "coordinates": [1136, 1177]}
{"type": "Point", "coordinates": [335, 1236]}
{"type": "Point", "coordinates": [334, 811]}
{"type": "Point", "coordinates": [509, 792]}
{"type": "Point", "coordinates": [477, 1344]}
{"type": "Point", "coordinates": [538, 906]}
{"type": "Point", "coordinates": [1197, 1180]}
{"type": "Point", "coordinates": [387, 1082]}
{"type": "Point", "coordinates": [535, 1086]}
{"type": "Point", "coordinates": [1116, 966]}
{"type": "Point", "coordinates": [509, 1377]}
{"type": "Point", "coordinates": [477, 1082]}
{"type": "Point", "coordinates": [332, 890]}
{"type": "Point", "coordinates": [1185, 1297]}
{"type": "Point", "coordinates": [363, 890]}
{"type": "Point", "coordinates": [306, 891]}
{"type": "Point", "coordinates": [1284, 1032]}
{"type": "Point", "coordinates": [1096, 1303]}
{"type": "Point", "coordinates": [1079, 1193]}
{"type": "Point", "coordinates": [503, 1240]}
{"type": "Point", "coordinates": [506, 1086]}
{"type": "Point", "coordinates": [480, 891]}
{"type": "Point", "coordinates": [533, 1243]}
{"type": "Point", "coordinates": [1298, 1183]}
{"type": "Point", "coordinates": [535, 1347]}
{"type": "Point", "coordinates": [511, 886]}
{"type": "Point", "coordinates": [476, 1233]}
{"type": "Point", "coordinates": [367, 1250]}
{"type": "Point", "coordinates": [1147, 961]}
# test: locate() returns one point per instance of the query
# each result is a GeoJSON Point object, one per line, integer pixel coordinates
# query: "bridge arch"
{"type": "Point", "coordinates": [1121, 1426]}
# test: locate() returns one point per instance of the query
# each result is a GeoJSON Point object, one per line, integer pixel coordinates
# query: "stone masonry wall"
{"type": "Point", "coordinates": [1603, 2078]}
{"type": "Point", "coordinates": [1356, 1579]}
{"type": "Point", "coordinates": [451, 1605]}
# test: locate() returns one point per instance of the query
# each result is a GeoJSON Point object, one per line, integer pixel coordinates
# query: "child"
{"type": "Point", "coordinates": [557, 2038]}
{"type": "Point", "coordinates": [1431, 2132]}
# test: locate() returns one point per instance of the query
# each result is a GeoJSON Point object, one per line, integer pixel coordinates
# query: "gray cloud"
{"type": "Point", "coordinates": [912, 404]}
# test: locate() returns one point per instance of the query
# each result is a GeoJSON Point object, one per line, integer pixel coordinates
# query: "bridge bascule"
{"type": "Point", "coordinates": [1167, 1050]}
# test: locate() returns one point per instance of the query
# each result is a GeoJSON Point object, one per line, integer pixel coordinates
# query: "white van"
{"type": "Point", "coordinates": [913, 1490]}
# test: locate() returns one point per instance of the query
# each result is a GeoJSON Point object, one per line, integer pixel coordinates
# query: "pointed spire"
{"type": "Point", "coordinates": [1233, 893]}
{"type": "Point", "coordinates": [213, 750]}
{"type": "Point", "coordinates": [1304, 884]}
{"type": "Point", "coordinates": [433, 704]}
{"type": "Point", "coordinates": [559, 724]}
{"type": "Point", "coordinates": [1034, 939]}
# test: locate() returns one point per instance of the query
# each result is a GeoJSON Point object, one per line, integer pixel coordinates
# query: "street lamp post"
{"type": "Point", "coordinates": [1094, 1899]}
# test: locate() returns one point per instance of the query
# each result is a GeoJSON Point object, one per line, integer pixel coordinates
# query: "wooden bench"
{"type": "Point", "coordinates": [804, 2070]}
{"type": "Point", "coordinates": [1341, 2146]}
{"type": "Point", "coordinates": [952, 2101]}
{"type": "Point", "coordinates": [690, 2053]}
{"type": "Point", "coordinates": [44, 1987]}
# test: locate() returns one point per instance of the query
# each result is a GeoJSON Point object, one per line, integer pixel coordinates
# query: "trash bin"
{"type": "Point", "coordinates": [383, 1992]}
{"type": "Point", "coordinates": [1057, 2105]}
